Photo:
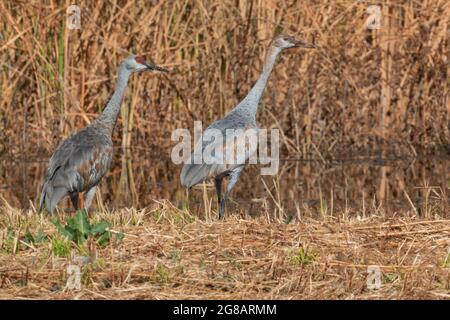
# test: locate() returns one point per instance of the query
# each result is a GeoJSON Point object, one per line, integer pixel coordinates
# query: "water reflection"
{"type": "Point", "coordinates": [360, 186]}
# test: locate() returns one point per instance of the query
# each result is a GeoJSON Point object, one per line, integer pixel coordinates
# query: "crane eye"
{"type": "Point", "coordinates": [139, 59]}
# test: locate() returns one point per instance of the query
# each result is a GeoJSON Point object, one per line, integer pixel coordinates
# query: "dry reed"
{"type": "Point", "coordinates": [360, 92]}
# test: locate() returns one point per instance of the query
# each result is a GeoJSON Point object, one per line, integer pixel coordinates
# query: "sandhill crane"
{"type": "Point", "coordinates": [80, 162]}
{"type": "Point", "coordinates": [243, 116]}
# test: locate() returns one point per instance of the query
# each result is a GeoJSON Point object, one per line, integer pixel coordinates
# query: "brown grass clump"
{"type": "Point", "coordinates": [169, 254]}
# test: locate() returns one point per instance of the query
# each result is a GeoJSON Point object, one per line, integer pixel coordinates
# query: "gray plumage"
{"type": "Point", "coordinates": [243, 117]}
{"type": "Point", "coordinates": [82, 160]}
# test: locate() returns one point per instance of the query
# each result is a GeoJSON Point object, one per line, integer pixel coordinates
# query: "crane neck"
{"type": "Point", "coordinates": [250, 103]}
{"type": "Point", "coordinates": [107, 120]}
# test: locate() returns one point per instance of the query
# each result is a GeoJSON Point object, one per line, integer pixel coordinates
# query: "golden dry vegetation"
{"type": "Point", "coordinates": [167, 253]}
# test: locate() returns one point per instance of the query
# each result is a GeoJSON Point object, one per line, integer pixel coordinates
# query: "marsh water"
{"type": "Point", "coordinates": [356, 186]}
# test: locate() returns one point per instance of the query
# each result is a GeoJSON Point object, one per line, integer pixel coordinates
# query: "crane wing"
{"type": "Point", "coordinates": [220, 155]}
{"type": "Point", "coordinates": [77, 165]}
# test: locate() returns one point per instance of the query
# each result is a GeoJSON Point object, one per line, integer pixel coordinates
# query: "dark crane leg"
{"type": "Point", "coordinates": [75, 199]}
{"type": "Point", "coordinates": [234, 177]}
{"type": "Point", "coordinates": [218, 184]}
{"type": "Point", "coordinates": [88, 197]}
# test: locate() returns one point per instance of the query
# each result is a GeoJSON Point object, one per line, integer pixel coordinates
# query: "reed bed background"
{"type": "Point", "coordinates": [361, 92]}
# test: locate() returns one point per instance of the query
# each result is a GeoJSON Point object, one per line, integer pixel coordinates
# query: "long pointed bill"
{"type": "Point", "coordinates": [151, 66]}
{"type": "Point", "coordinates": [303, 44]}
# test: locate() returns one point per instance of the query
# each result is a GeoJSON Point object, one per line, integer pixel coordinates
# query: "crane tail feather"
{"type": "Point", "coordinates": [43, 196]}
{"type": "Point", "coordinates": [193, 174]}
{"type": "Point", "coordinates": [50, 196]}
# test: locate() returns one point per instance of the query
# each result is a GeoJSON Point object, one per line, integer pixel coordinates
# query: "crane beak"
{"type": "Point", "coordinates": [151, 66]}
{"type": "Point", "coordinates": [303, 44]}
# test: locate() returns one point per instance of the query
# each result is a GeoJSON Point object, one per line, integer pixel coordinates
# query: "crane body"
{"type": "Point", "coordinates": [242, 117]}
{"type": "Point", "coordinates": [82, 160]}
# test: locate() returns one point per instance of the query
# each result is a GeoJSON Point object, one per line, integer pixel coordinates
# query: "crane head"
{"type": "Point", "coordinates": [286, 42]}
{"type": "Point", "coordinates": [137, 63]}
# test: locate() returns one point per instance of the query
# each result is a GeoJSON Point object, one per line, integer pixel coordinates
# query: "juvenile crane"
{"type": "Point", "coordinates": [80, 162]}
{"type": "Point", "coordinates": [243, 116]}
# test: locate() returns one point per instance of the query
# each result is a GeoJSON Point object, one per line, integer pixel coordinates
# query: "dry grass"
{"type": "Point", "coordinates": [170, 254]}
{"type": "Point", "coordinates": [361, 92]}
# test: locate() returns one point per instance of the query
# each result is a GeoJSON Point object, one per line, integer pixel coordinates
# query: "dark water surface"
{"type": "Point", "coordinates": [313, 187]}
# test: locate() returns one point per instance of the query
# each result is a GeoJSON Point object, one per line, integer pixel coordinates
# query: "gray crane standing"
{"type": "Point", "coordinates": [80, 162]}
{"type": "Point", "coordinates": [243, 117]}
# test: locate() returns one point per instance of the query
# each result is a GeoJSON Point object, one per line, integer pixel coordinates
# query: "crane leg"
{"type": "Point", "coordinates": [81, 206]}
{"type": "Point", "coordinates": [234, 177]}
{"type": "Point", "coordinates": [75, 199]}
{"type": "Point", "coordinates": [218, 184]}
{"type": "Point", "coordinates": [88, 197]}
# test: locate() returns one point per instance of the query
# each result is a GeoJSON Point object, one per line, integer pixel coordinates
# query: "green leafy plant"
{"type": "Point", "coordinates": [174, 255]}
{"type": "Point", "coordinates": [446, 261]}
{"type": "Point", "coordinates": [38, 238]}
{"type": "Point", "coordinates": [391, 277]}
{"type": "Point", "coordinates": [301, 257]}
{"type": "Point", "coordinates": [288, 219]}
{"type": "Point", "coordinates": [61, 247]}
{"type": "Point", "coordinates": [8, 242]}
{"type": "Point", "coordinates": [78, 229]}
{"type": "Point", "coordinates": [162, 274]}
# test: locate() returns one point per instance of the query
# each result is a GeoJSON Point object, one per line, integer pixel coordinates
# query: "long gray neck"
{"type": "Point", "coordinates": [249, 105]}
{"type": "Point", "coordinates": [108, 118]}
